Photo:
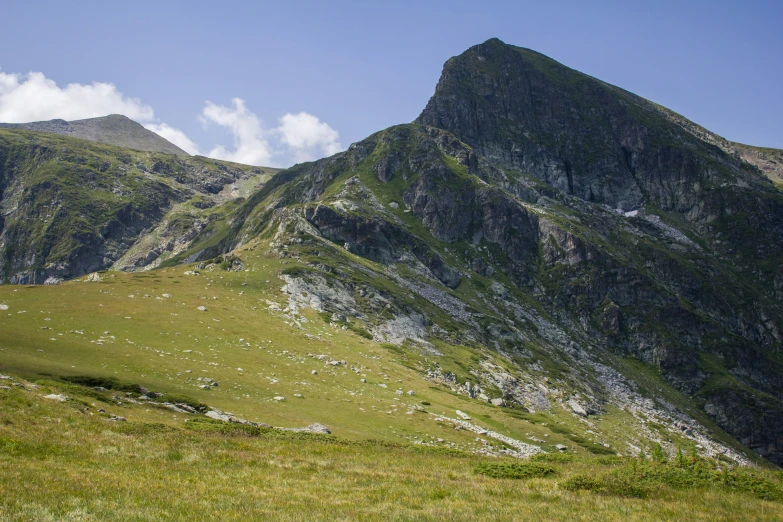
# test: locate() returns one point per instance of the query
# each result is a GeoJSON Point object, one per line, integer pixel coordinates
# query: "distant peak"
{"type": "Point", "coordinates": [494, 41]}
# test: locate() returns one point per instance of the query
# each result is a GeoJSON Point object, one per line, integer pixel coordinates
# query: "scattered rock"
{"type": "Point", "coordinates": [462, 415]}
{"type": "Point", "coordinates": [215, 414]}
{"type": "Point", "coordinates": [117, 418]}
{"type": "Point", "coordinates": [56, 397]}
{"type": "Point", "coordinates": [497, 402]}
{"type": "Point", "coordinates": [411, 393]}
{"type": "Point", "coordinates": [202, 308]}
{"type": "Point", "coordinates": [312, 428]}
{"type": "Point", "coordinates": [279, 398]}
{"type": "Point", "coordinates": [577, 408]}
{"type": "Point", "coordinates": [3, 306]}
{"type": "Point", "coordinates": [561, 447]}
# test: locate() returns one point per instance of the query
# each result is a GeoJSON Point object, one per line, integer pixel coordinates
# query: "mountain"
{"type": "Point", "coordinates": [548, 263]}
{"type": "Point", "coordinates": [631, 232]}
{"type": "Point", "coordinates": [71, 207]}
{"type": "Point", "coordinates": [114, 129]}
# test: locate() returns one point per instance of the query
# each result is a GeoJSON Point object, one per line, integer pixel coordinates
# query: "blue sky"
{"type": "Point", "coordinates": [343, 70]}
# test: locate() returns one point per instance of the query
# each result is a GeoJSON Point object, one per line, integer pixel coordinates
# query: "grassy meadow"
{"type": "Point", "coordinates": [392, 455]}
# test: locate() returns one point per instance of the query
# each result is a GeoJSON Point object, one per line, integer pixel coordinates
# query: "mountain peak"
{"type": "Point", "coordinates": [113, 129]}
{"type": "Point", "coordinates": [527, 112]}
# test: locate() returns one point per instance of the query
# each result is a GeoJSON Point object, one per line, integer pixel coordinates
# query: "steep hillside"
{"type": "Point", "coordinates": [521, 206]}
{"type": "Point", "coordinates": [114, 129]}
{"type": "Point", "coordinates": [71, 207]}
{"type": "Point", "coordinates": [541, 263]}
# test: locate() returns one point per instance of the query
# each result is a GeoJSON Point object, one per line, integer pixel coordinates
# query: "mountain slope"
{"type": "Point", "coordinates": [71, 207]}
{"type": "Point", "coordinates": [686, 275]}
{"type": "Point", "coordinates": [538, 246]}
{"type": "Point", "coordinates": [114, 129]}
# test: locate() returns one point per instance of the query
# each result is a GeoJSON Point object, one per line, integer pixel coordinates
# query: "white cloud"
{"type": "Point", "coordinates": [250, 143]}
{"type": "Point", "coordinates": [308, 137]}
{"type": "Point", "coordinates": [298, 137]}
{"type": "Point", "coordinates": [34, 97]}
{"type": "Point", "coordinates": [175, 136]}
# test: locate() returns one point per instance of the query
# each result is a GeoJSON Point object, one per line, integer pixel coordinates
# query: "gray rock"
{"type": "Point", "coordinates": [577, 408]}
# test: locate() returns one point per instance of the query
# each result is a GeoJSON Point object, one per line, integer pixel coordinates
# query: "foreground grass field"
{"type": "Point", "coordinates": [397, 450]}
{"type": "Point", "coordinates": [68, 461]}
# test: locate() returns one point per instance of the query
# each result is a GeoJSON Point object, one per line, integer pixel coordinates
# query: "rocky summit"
{"type": "Point", "coordinates": [114, 129]}
{"type": "Point", "coordinates": [541, 262]}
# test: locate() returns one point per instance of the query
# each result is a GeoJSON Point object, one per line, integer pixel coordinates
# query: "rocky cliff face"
{"type": "Point", "coordinates": [699, 240]}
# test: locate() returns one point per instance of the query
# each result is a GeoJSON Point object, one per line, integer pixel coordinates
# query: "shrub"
{"type": "Point", "coordinates": [361, 332]}
{"type": "Point", "coordinates": [514, 470]}
{"type": "Point", "coordinates": [608, 485]}
{"type": "Point", "coordinates": [110, 383]}
{"type": "Point", "coordinates": [142, 428]}
{"type": "Point", "coordinates": [552, 457]}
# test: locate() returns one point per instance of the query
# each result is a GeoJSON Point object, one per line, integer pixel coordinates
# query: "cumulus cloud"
{"type": "Point", "coordinates": [250, 142]}
{"type": "Point", "coordinates": [175, 136]}
{"type": "Point", "coordinates": [297, 137]}
{"type": "Point", "coordinates": [308, 137]}
{"type": "Point", "coordinates": [34, 97]}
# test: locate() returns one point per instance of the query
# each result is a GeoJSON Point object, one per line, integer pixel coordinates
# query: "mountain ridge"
{"type": "Point", "coordinates": [535, 236]}
{"type": "Point", "coordinates": [114, 129]}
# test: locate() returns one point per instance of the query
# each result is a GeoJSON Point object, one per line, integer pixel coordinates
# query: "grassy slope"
{"type": "Point", "coordinates": [161, 329]}
{"type": "Point", "coordinates": [66, 461]}
{"type": "Point", "coordinates": [58, 218]}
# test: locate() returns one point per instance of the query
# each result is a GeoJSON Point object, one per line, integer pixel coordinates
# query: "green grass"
{"type": "Point", "coordinates": [67, 461]}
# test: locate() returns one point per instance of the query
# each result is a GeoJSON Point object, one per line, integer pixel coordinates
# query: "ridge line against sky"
{"type": "Point", "coordinates": [298, 137]}
{"type": "Point", "coordinates": [275, 83]}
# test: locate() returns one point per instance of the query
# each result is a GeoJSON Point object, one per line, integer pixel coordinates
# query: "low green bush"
{"type": "Point", "coordinates": [110, 383]}
{"type": "Point", "coordinates": [514, 470]}
{"type": "Point", "coordinates": [639, 479]}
